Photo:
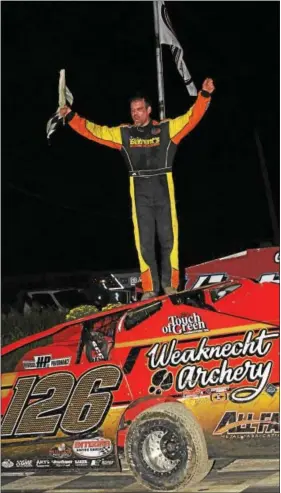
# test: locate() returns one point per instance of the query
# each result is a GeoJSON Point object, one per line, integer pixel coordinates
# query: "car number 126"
{"type": "Point", "coordinates": [58, 400]}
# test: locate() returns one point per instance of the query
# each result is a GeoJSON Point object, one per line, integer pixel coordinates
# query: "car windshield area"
{"type": "Point", "coordinates": [98, 337]}
{"type": "Point", "coordinates": [193, 298]}
{"type": "Point", "coordinates": [138, 315]}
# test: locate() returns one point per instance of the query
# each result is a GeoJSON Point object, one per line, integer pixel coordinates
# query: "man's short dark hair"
{"type": "Point", "coordinates": [139, 96]}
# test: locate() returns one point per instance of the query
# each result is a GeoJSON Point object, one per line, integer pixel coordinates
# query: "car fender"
{"type": "Point", "coordinates": [134, 409]}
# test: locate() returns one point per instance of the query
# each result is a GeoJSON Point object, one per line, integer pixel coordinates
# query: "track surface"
{"type": "Point", "coordinates": [240, 476]}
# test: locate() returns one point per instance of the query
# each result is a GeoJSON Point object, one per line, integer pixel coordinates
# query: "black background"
{"type": "Point", "coordinates": [66, 206]}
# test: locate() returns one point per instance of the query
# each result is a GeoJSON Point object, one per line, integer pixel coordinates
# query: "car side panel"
{"type": "Point", "coordinates": [71, 415]}
{"type": "Point", "coordinates": [236, 421]}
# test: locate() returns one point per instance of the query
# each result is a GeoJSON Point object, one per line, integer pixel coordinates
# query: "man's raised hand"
{"type": "Point", "coordinates": [208, 85]}
{"type": "Point", "coordinates": [64, 111]}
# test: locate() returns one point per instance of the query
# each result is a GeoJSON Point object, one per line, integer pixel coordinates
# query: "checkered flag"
{"type": "Point", "coordinates": [167, 37]}
{"type": "Point", "coordinates": [65, 96]}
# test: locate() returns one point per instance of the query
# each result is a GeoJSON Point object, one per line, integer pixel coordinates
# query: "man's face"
{"type": "Point", "coordinates": [140, 113]}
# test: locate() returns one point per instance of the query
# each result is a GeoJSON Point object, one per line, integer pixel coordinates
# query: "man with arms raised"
{"type": "Point", "coordinates": [148, 148]}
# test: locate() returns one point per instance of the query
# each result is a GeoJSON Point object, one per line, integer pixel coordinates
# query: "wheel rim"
{"type": "Point", "coordinates": [161, 451]}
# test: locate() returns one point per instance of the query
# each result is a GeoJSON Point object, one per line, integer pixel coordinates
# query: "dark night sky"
{"type": "Point", "coordinates": [66, 206]}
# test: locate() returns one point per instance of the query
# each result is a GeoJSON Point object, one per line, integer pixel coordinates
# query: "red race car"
{"type": "Point", "coordinates": [168, 386]}
{"type": "Point", "coordinates": [261, 264]}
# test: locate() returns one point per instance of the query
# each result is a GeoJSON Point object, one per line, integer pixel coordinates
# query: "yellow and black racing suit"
{"type": "Point", "coordinates": [149, 152]}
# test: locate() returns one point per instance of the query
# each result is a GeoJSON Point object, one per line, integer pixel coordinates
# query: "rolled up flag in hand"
{"type": "Point", "coordinates": [65, 97]}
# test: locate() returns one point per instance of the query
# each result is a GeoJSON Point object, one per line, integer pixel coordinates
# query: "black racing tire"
{"type": "Point", "coordinates": [178, 439]}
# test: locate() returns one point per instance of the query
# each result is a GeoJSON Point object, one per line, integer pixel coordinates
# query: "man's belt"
{"type": "Point", "coordinates": [145, 173]}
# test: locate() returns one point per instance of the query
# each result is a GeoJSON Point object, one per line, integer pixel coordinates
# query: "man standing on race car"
{"type": "Point", "coordinates": [149, 147]}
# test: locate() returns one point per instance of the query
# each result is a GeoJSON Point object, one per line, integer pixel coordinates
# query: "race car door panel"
{"type": "Point", "coordinates": [71, 411]}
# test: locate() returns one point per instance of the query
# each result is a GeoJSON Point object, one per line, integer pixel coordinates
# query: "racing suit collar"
{"type": "Point", "coordinates": [143, 126]}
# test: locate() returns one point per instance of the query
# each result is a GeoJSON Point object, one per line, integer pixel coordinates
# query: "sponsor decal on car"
{"type": "Point", "coordinates": [96, 462]}
{"type": "Point", "coordinates": [99, 356]}
{"type": "Point", "coordinates": [24, 463]}
{"type": "Point", "coordinates": [65, 399]}
{"type": "Point", "coordinates": [190, 375]}
{"type": "Point", "coordinates": [7, 463]}
{"type": "Point", "coordinates": [161, 380]}
{"type": "Point", "coordinates": [208, 393]}
{"type": "Point", "coordinates": [81, 463]}
{"type": "Point", "coordinates": [184, 325]}
{"type": "Point", "coordinates": [46, 361]}
{"type": "Point", "coordinates": [248, 425]}
{"type": "Point", "coordinates": [218, 396]}
{"type": "Point", "coordinates": [43, 463]}
{"type": "Point", "coordinates": [207, 279]}
{"type": "Point", "coordinates": [62, 463]}
{"type": "Point", "coordinates": [271, 389]}
{"type": "Point", "coordinates": [60, 451]}
{"type": "Point", "coordinates": [95, 447]}
{"type": "Point", "coordinates": [105, 462]}
{"type": "Point", "coordinates": [277, 258]}
{"type": "Point", "coordinates": [270, 277]}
